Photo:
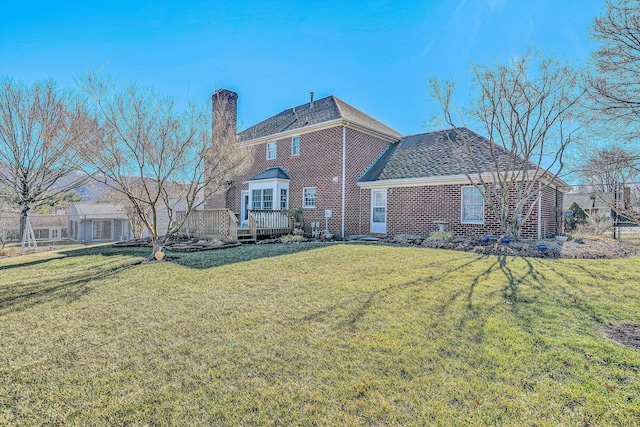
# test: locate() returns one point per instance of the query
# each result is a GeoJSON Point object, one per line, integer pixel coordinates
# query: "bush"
{"type": "Point", "coordinates": [596, 224]}
{"type": "Point", "coordinates": [8, 251]}
{"type": "Point", "coordinates": [441, 236]}
{"type": "Point", "coordinates": [578, 218]}
{"type": "Point", "coordinates": [289, 238]}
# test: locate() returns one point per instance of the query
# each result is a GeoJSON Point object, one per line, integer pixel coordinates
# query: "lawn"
{"type": "Point", "coordinates": [313, 334]}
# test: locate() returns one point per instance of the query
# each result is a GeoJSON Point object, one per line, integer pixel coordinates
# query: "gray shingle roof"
{"type": "Point", "coordinates": [101, 210]}
{"type": "Point", "coordinates": [432, 154]}
{"type": "Point", "coordinates": [277, 172]}
{"type": "Point", "coordinates": [323, 110]}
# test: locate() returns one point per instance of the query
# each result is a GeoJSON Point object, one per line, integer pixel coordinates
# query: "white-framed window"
{"type": "Point", "coordinates": [472, 206]}
{"type": "Point", "coordinates": [295, 145]}
{"type": "Point", "coordinates": [54, 234]}
{"type": "Point", "coordinates": [102, 230]}
{"type": "Point", "coordinates": [284, 201]}
{"type": "Point", "coordinates": [262, 199]}
{"type": "Point", "coordinates": [309, 197]}
{"type": "Point", "coordinates": [271, 150]}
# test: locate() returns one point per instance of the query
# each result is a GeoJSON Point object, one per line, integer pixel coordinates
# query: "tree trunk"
{"type": "Point", "coordinates": [23, 220]}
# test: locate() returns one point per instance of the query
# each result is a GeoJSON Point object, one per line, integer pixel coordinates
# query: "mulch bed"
{"type": "Point", "coordinates": [627, 335]}
{"type": "Point", "coordinates": [182, 244]}
{"type": "Point", "coordinates": [547, 248]}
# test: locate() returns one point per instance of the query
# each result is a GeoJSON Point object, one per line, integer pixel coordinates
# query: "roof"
{"type": "Point", "coordinates": [100, 210]}
{"type": "Point", "coordinates": [323, 110]}
{"type": "Point", "coordinates": [277, 172]}
{"type": "Point", "coordinates": [48, 220]}
{"type": "Point", "coordinates": [588, 200]}
{"type": "Point", "coordinates": [431, 154]}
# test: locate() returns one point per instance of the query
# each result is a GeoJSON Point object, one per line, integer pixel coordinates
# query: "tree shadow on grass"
{"type": "Point", "coordinates": [221, 257]}
{"type": "Point", "coordinates": [20, 296]}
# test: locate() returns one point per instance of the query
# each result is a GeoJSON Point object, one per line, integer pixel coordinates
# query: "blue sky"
{"type": "Point", "coordinates": [376, 56]}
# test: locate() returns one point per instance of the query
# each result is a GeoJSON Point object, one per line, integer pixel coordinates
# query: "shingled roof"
{"type": "Point", "coordinates": [323, 110]}
{"type": "Point", "coordinates": [276, 172]}
{"type": "Point", "coordinates": [432, 154]}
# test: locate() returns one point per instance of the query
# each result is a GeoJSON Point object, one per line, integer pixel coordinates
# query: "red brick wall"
{"type": "Point", "coordinates": [320, 160]}
{"type": "Point", "coordinates": [414, 210]}
{"type": "Point", "coordinates": [362, 150]}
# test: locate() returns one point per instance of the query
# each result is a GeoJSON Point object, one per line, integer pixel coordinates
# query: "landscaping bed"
{"type": "Point", "coordinates": [545, 248]}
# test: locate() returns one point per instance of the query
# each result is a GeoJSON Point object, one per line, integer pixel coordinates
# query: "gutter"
{"type": "Point", "coordinates": [344, 175]}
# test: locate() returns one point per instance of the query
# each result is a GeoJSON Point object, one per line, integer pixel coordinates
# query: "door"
{"type": "Point", "coordinates": [379, 211]}
{"type": "Point", "coordinates": [244, 208]}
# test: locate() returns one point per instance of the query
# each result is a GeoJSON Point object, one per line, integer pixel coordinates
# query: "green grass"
{"type": "Point", "coordinates": [313, 334]}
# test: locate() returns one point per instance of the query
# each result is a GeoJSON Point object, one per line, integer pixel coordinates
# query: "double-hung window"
{"type": "Point", "coordinates": [271, 150]}
{"type": "Point", "coordinates": [295, 146]}
{"type": "Point", "coordinates": [283, 199]}
{"type": "Point", "coordinates": [472, 211]}
{"type": "Point", "coordinates": [309, 197]}
{"type": "Point", "coordinates": [262, 199]}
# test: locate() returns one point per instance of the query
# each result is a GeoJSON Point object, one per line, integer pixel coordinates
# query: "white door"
{"type": "Point", "coordinates": [379, 211]}
{"type": "Point", "coordinates": [244, 207]}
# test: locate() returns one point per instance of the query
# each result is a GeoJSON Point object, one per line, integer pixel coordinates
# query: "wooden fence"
{"type": "Point", "coordinates": [216, 222]}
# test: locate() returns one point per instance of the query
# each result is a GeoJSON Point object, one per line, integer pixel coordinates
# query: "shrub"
{"type": "Point", "coordinates": [441, 235]}
{"type": "Point", "coordinates": [579, 217]}
{"type": "Point", "coordinates": [289, 238]}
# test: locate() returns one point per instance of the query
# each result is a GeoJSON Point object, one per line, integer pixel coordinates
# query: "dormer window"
{"type": "Point", "coordinates": [295, 146]}
{"type": "Point", "coordinates": [271, 150]}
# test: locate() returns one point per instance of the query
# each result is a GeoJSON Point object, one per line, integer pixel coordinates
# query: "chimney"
{"type": "Point", "coordinates": [311, 101]}
{"type": "Point", "coordinates": [224, 110]}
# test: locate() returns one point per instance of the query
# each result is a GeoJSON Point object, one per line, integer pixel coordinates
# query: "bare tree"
{"type": "Point", "coordinates": [7, 216]}
{"type": "Point", "coordinates": [613, 174]}
{"type": "Point", "coordinates": [616, 85]}
{"type": "Point", "coordinates": [159, 159]}
{"type": "Point", "coordinates": [40, 128]}
{"type": "Point", "coordinates": [527, 108]}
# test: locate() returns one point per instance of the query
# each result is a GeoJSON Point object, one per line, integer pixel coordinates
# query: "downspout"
{"type": "Point", "coordinates": [344, 175]}
{"type": "Point", "coordinates": [539, 216]}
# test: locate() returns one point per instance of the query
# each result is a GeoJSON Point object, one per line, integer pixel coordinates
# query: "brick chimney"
{"type": "Point", "coordinates": [224, 110]}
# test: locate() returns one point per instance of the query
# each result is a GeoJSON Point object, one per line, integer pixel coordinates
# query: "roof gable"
{"type": "Point", "coordinates": [306, 115]}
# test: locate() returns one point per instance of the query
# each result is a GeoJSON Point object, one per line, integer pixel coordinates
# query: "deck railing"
{"type": "Point", "coordinates": [269, 223]}
{"type": "Point", "coordinates": [215, 222]}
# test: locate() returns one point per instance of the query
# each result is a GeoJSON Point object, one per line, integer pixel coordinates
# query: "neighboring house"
{"type": "Point", "coordinates": [98, 222]}
{"type": "Point", "coordinates": [590, 202]}
{"type": "Point", "coordinates": [333, 160]}
{"type": "Point", "coordinates": [45, 226]}
{"type": "Point", "coordinates": [50, 226]}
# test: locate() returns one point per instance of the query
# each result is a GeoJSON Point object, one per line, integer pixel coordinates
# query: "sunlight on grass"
{"type": "Point", "coordinates": [316, 335]}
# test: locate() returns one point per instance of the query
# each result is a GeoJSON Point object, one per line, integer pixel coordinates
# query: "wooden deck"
{"type": "Point", "coordinates": [224, 223]}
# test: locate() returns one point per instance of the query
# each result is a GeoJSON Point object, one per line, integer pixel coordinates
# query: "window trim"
{"type": "Point", "coordinates": [304, 201]}
{"type": "Point", "coordinates": [102, 237]}
{"type": "Point", "coordinates": [292, 145]}
{"type": "Point", "coordinates": [462, 220]}
{"type": "Point", "coordinates": [275, 150]}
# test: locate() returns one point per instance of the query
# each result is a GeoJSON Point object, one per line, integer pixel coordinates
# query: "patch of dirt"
{"type": "Point", "coordinates": [547, 248]}
{"type": "Point", "coordinates": [182, 243]}
{"type": "Point", "coordinates": [627, 335]}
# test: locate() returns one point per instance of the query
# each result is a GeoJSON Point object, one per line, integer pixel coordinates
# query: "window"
{"type": "Point", "coordinates": [262, 199]}
{"type": "Point", "coordinates": [472, 206]}
{"type": "Point", "coordinates": [309, 197]}
{"type": "Point", "coordinates": [295, 146]}
{"type": "Point", "coordinates": [267, 199]}
{"type": "Point", "coordinates": [54, 234]}
{"type": "Point", "coordinates": [283, 199]}
{"type": "Point", "coordinates": [41, 233]}
{"type": "Point", "coordinates": [271, 150]}
{"type": "Point", "coordinates": [256, 200]}
{"type": "Point", "coordinates": [101, 230]}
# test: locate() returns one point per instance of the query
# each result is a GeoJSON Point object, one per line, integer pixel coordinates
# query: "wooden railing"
{"type": "Point", "coordinates": [269, 223]}
{"type": "Point", "coordinates": [215, 222]}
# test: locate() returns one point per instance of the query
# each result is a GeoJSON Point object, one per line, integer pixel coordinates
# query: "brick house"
{"type": "Point", "coordinates": [326, 155]}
